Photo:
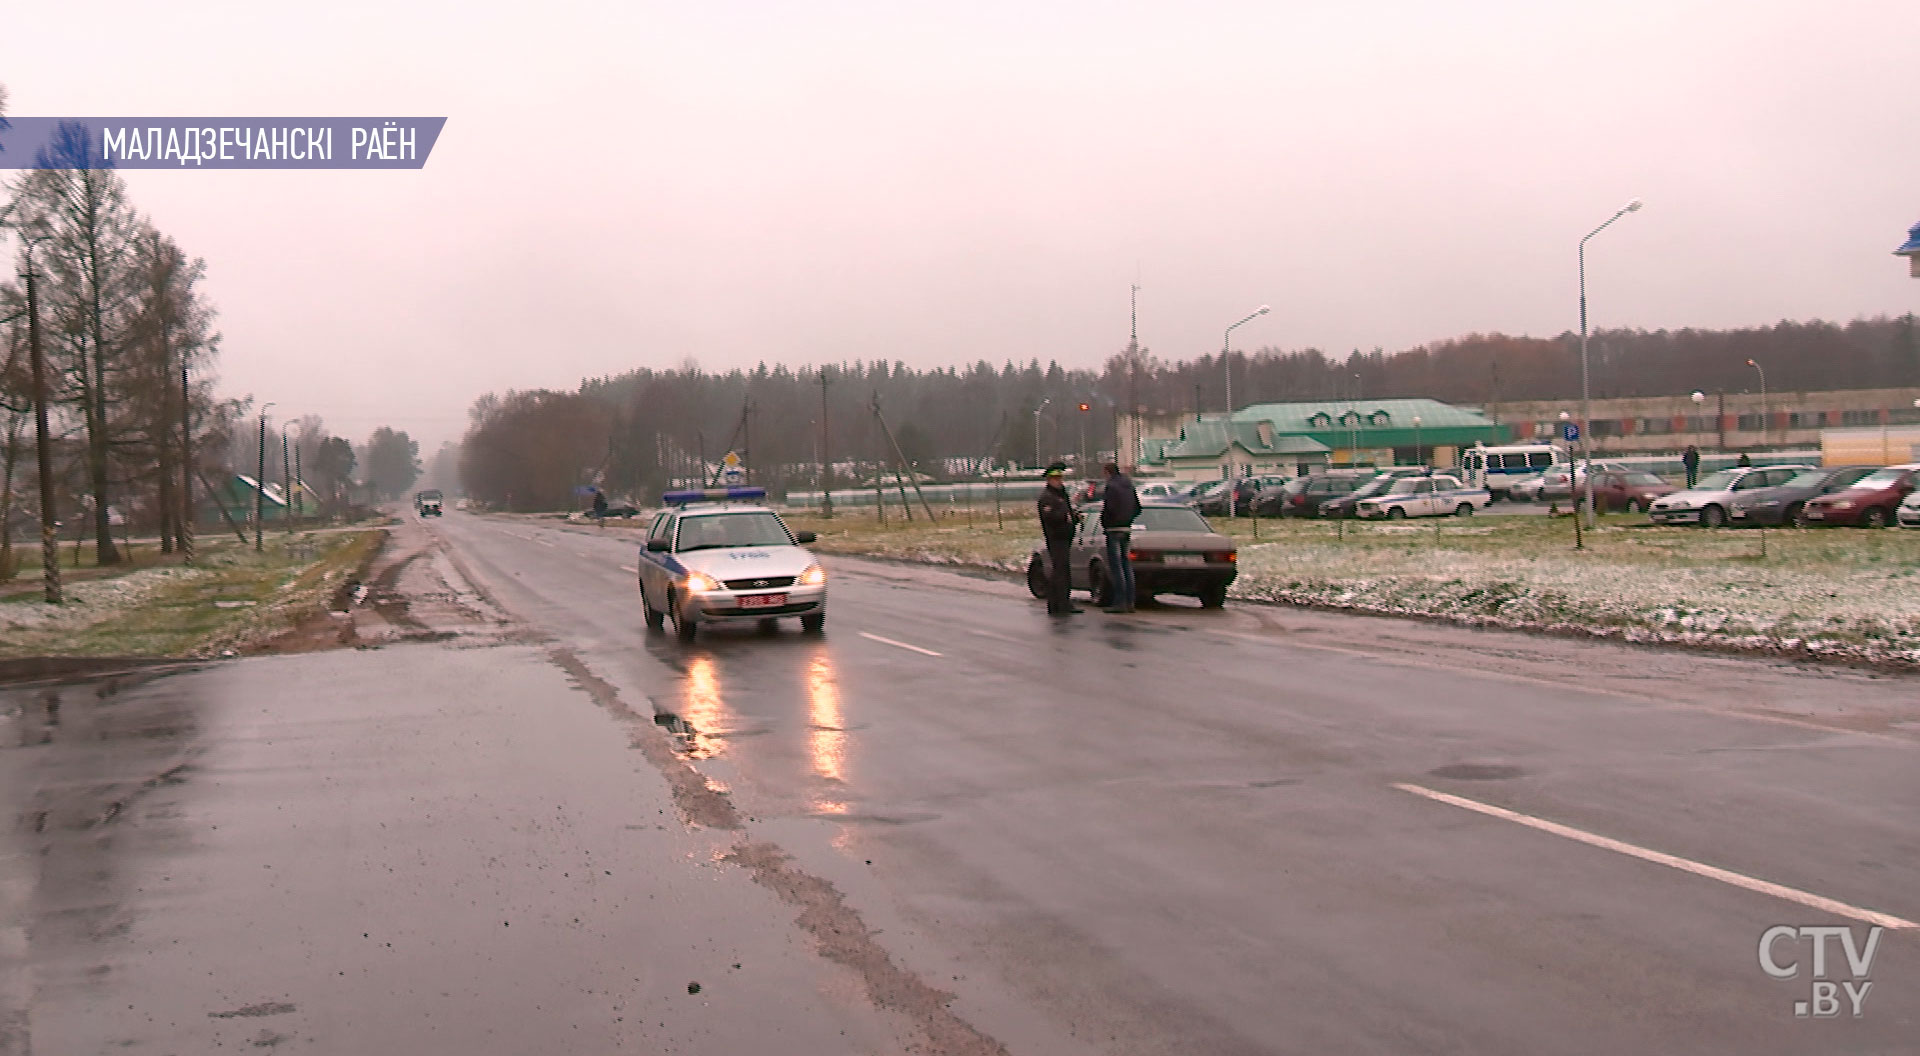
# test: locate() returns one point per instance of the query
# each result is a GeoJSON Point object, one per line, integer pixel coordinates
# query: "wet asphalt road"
{"type": "Point", "coordinates": [1172, 832]}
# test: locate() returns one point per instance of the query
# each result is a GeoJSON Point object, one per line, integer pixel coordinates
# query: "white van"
{"type": "Point", "coordinates": [1499, 469]}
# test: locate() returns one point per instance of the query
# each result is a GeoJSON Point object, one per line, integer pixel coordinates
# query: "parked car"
{"type": "Point", "coordinates": [1869, 503]}
{"type": "Point", "coordinates": [1342, 505]}
{"type": "Point", "coordinates": [1784, 503]}
{"type": "Point", "coordinates": [1215, 502]}
{"type": "Point", "coordinates": [1909, 512]}
{"type": "Point", "coordinates": [1435, 496]}
{"type": "Point", "coordinates": [1174, 551]}
{"type": "Point", "coordinates": [1303, 496]}
{"type": "Point", "coordinates": [1707, 502]}
{"type": "Point", "coordinates": [1171, 490]}
{"type": "Point", "coordinates": [1559, 482]}
{"type": "Point", "coordinates": [1627, 489]}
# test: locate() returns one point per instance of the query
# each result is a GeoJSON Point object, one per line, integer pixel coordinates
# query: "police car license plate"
{"type": "Point", "coordinates": [761, 601]}
{"type": "Point", "coordinates": [1186, 559]}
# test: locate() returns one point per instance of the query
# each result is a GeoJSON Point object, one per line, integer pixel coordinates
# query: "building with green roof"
{"type": "Point", "coordinates": [1293, 438]}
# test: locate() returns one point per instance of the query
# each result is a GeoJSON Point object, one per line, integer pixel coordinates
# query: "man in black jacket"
{"type": "Point", "coordinates": [1119, 505]}
{"type": "Point", "coordinates": [1058, 519]}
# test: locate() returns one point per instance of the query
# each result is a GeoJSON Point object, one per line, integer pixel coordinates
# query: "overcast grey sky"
{"type": "Point", "coordinates": [632, 184]}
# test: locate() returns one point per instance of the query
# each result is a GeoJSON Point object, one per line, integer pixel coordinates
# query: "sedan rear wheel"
{"type": "Point", "coordinates": [1465, 509]}
{"type": "Point", "coordinates": [1099, 588]}
{"type": "Point", "coordinates": [1873, 517]}
{"type": "Point", "coordinates": [1213, 597]}
{"type": "Point", "coordinates": [1795, 515]}
{"type": "Point", "coordinates": [1037, 576]}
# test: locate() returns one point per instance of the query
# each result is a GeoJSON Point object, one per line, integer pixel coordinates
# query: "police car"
{"type": "Point", "coordinates": [1438, 495]}
{"type": "Point", "coordinates": [713, 557]}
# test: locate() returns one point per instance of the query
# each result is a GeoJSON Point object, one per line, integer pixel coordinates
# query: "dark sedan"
{"type": "Point", "coordinates": [1627, 489]}
{"type": "Point", "coordinates": [1784, 503]}
{"type": "Point", "coordinates": [1303, 496]}
{"type": "Point", "coordinates": [1869, 503]}
{"type": "Point", "coordinates": [1174, 552]}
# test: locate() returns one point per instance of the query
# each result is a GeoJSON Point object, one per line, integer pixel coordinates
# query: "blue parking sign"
{"type": "Point", "coordinates": [1570, 432]}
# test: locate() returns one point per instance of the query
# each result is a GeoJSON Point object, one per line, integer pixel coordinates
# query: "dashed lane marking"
{"type": "Point", "coordinates": [902, 645]}
{"type": "Point", "coordinates": [1685, 865]}
{"type": "Point", "coordinates": [629, 568]}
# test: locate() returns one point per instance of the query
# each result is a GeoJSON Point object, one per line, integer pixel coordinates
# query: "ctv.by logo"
{"type": "Point", "coordinates": [1824, 1001]}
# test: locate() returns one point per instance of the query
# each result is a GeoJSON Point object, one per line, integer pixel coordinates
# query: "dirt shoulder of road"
{"type": "Point", "coordinates": [231, 600]}
{"type": "Point", "coordinates": [1842, 594]}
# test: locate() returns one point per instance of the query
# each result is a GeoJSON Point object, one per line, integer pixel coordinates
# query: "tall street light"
{"type": "Point", "coordinates": [1765, 411]}
{"type": "Point", "coordinates": [1036, 431]}
{"type": "Point", "coordinates": [1586, 391]}
{"type": "Point", "coordinates": [260, 481]}
{"type": "Point", "coordinates": [1226, 356]}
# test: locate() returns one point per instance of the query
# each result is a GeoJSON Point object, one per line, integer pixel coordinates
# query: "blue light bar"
{"type": "Point", "coordinates": [681, 498]}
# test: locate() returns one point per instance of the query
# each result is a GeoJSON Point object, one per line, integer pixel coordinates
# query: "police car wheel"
{"type": "Point", "coordinates": [1465, 509]}
{"type": "Point", "coordinates": [655, 618]}
{"type": "Point", "coordinates": [812, 622]}
{"type": "Point", "coordinates": [683, 628]}
{"type": "Point", "coordinates": [1037, 576]}
{"type": "Point", "coordinates": [1396, 514]}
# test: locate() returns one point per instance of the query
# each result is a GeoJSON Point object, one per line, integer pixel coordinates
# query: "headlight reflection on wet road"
{"type": "Point", "coordinates": [702, 708]}
{"type": "Point", "coordinates": [826, 732]}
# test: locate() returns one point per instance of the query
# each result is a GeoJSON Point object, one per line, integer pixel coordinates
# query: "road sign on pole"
{"type": "Point", "coordinates": [1570, 432]}
{"type": "Point", "coordinates": [734, 473]}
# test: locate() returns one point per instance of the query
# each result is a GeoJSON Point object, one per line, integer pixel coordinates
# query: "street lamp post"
{"type": "Point", "coordinates": [1226, 359]}
{"type": "Point", "coordinates": [260, 483]}
{"type": "Point", "coordinates": [1085, 407]}
{"type": "Point", "coordinates": [1579, 542]}
{"type": "Point", "coordinates": [1766, 413]}
{"type": "Point", "coordinates": [1036, 431]}
{"type": "Point", "coordinates": [43, 441]}
{"type": "Point", "coordinates": [1586, 391]}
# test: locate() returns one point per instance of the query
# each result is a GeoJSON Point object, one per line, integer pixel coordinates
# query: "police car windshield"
{"type": "Point", "coordinates": [746, 528]}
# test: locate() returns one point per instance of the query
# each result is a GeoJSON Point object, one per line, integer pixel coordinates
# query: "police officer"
{"type": "Point", "coordinates": [1058, 519]}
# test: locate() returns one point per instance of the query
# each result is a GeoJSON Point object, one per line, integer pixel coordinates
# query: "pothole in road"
{"type": "Point", "coordinates": [1476, 772]}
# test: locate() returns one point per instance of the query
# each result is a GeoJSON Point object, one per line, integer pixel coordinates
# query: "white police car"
{"type": "Point", "coordinates": [1437, 495]}
{"type": "Point", "coordinates": [711, 559]}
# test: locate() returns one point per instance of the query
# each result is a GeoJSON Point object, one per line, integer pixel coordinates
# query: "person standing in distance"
{"type": "Point", "coordinates": [1119, 505]}
{"type": "Point", "coordinates": [1058, 519]}
{"type": "Point", "coordinates": [1691, 460]}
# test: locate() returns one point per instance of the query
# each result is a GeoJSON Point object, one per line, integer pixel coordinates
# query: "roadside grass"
{"type": "Point", "coordinates": [1844, 591]}
{"type": "Point", "coordinates": [230, 597]}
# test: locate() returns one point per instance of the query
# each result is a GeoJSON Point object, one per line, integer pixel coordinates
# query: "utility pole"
{"type": "Point", "coordinates": [1130, 461]}
{"type": "Point", "coordinates": [186, 465]}
{"type": "Point", "coordinates": [49, 527]}
{"type": "Point", "coordinates": [286, 482]}
{"type": "Point", "coordinates": [260, 484]}
{"type": "Point", "coordinates": [826, 456]}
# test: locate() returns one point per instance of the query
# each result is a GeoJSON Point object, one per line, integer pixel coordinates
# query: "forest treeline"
{"type": "Point", "coordinates": [634, 433]}
{"type": "Point", "coordinates": [129, 350]}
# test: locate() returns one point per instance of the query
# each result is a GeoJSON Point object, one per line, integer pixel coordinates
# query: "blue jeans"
{"type": "Point", "coordinates": [1120, 566]}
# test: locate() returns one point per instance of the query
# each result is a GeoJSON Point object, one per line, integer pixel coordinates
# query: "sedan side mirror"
{"type": "Point", "coordinates": [659, 546]}
{"type": "Point", "coordinates": [803, 538]}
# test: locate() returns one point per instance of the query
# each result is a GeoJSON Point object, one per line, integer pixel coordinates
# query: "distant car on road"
{"type": "Point", "coordinates": [1785, 503]}
{"type": "Point", "coordinates": [427, 503]}
{"type": "Point", "coordinates": [1869, 503]}
{"type": "Point", "coordinates": [1435, 496]}
{"type": "Point", "coordinates": [1706, 503]}
{"type": "Point", "coordinates": [1174, 551]}
{"type": "Point", "coordinates": [712, 557]}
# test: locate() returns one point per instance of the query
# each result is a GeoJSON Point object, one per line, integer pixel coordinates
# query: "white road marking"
{"type": "Point", "coordinates": [629, 568]}
{"type": "Point", "coordinates": [543, 542]}
{"type": "Point", "coordinates": [1686, 865]}
{"type": "Point", "coordinates": [903, 645]}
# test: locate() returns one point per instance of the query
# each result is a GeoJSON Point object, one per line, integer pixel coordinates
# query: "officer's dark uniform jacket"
{"type": "Point", "coordinates": [1056, 515]}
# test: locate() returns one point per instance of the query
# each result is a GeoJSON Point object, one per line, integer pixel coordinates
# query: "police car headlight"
{"type": "Point", "coordinates": [701, 583]}
{"type": "Point", "coordinates": [813, 576]}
